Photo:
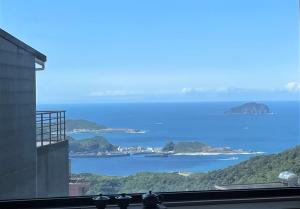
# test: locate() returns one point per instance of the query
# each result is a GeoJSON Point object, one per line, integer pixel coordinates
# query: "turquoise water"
{"type": "Point", "coordinates": [165, 122]}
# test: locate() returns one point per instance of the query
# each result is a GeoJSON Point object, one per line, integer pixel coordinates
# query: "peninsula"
{"type": "Point", "coordinates": [74, 126]}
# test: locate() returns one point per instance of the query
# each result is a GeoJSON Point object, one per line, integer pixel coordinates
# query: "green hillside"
{"type": "Point", "coordinates": [255, 170]}
{"type": "Point", "coordinates": [92, 145]}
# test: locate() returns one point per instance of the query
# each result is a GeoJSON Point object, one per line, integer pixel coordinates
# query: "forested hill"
{"type": "Point", "coordinates": [91, 145]}
{"type": "Point", "coordinates": [255, 170]}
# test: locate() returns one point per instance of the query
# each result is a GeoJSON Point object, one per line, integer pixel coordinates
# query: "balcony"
{"type": "Point", "coordinates": [50, 127]}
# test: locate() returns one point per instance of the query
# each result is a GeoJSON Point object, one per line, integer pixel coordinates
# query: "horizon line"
{"type": "Point", "coordinates": [162, 102]}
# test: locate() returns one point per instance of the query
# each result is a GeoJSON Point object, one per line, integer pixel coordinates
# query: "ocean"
{"type": "Point", "coordinates": [165, 122]}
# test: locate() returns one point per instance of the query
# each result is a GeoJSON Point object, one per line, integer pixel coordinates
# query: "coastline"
{"type": "Point", "coordinates": [106, 130]}
{"type": "Point", "coordinates": [218, 153]}
{"type": "Point", "coordinates": [160, 154]}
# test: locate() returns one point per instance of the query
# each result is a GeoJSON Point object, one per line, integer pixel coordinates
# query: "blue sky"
{"type": "Point", "coordinates": [140, 51]}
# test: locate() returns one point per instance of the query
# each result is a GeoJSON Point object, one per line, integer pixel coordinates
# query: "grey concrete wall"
{"type": "Point", "coordinates": [17, 122]}
{"type": "Point", "coordinates": [53, 170]}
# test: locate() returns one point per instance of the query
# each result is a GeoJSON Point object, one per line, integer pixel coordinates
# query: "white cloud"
{"type": "Point", "coordinates": [111, 93]}
{"type": "Point", "coordinates": [191, 90]}
{"type": "Point", "coordinates": [293, 86]}
{"type": "Point", "coordinates": [187, 90]}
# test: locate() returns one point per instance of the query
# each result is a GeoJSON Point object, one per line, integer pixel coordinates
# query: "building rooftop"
{"type": "Point", "coordinates": [38, 55]}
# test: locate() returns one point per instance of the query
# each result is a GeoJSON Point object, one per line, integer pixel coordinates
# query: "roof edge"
{"type": "Point", "coordinates": [22, 45]}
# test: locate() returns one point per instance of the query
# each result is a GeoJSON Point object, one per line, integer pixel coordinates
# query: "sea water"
{"type": "Point", "coordinates": [165, 122]}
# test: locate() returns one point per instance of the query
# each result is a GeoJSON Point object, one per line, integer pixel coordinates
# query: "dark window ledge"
{"type": "Point", "coordinates": [171, 199]}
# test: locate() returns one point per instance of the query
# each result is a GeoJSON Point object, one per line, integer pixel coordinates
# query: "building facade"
{"type": "Point", "coordinates": [19, 154]}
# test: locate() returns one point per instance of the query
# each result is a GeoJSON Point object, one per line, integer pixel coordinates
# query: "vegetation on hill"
{"type": "Point", "coordinates": [255, 170]}
{"type": "Point", "coordinates": [82, 124]}
{"type": "Point", "coordinates": [94, 145]}
{"type": "Point", "coordinates": [169, 147]}
{"type": "Point", "coordinates": [251, 108]}
{"type": "Point", "coordinates": [194, 147]}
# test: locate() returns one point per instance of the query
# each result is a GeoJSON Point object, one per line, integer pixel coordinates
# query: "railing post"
{"type": "Point", "coordinates": [60, 125]}
{"type": "Point", "coordinates": [64, 125]}
{"type": "Point", "coordinates": [50, 129]}
{"type": "Point", "coordinates": [57, 126]}
{"type": "Point", "coordinates": [42, 129]}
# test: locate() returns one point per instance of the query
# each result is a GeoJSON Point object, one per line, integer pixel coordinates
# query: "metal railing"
{"type": "Point", "coordinates": [50, 127]}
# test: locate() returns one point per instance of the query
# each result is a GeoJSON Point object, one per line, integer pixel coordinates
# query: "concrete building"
{"type": "Point", "coordinates": [78, 187]}
{"type": "Point", "coordinates": [30, 166]}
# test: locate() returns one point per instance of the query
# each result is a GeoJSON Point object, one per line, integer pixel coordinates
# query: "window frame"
{"type": "Point", "coordinates": [210, 197]}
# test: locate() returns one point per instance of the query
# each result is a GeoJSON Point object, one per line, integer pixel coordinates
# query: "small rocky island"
{"type": "Point", "coordinates": [250, 108]}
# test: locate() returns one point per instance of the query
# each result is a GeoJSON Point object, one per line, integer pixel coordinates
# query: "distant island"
{"type": "Point", "coordinates": [74, 126]}
{"type": "Point", "coordinates": [98, 146]}
{"type": "Point", "coordinates": [198, 148]}
{"type": "Point", "coordinates": [251, 108]}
